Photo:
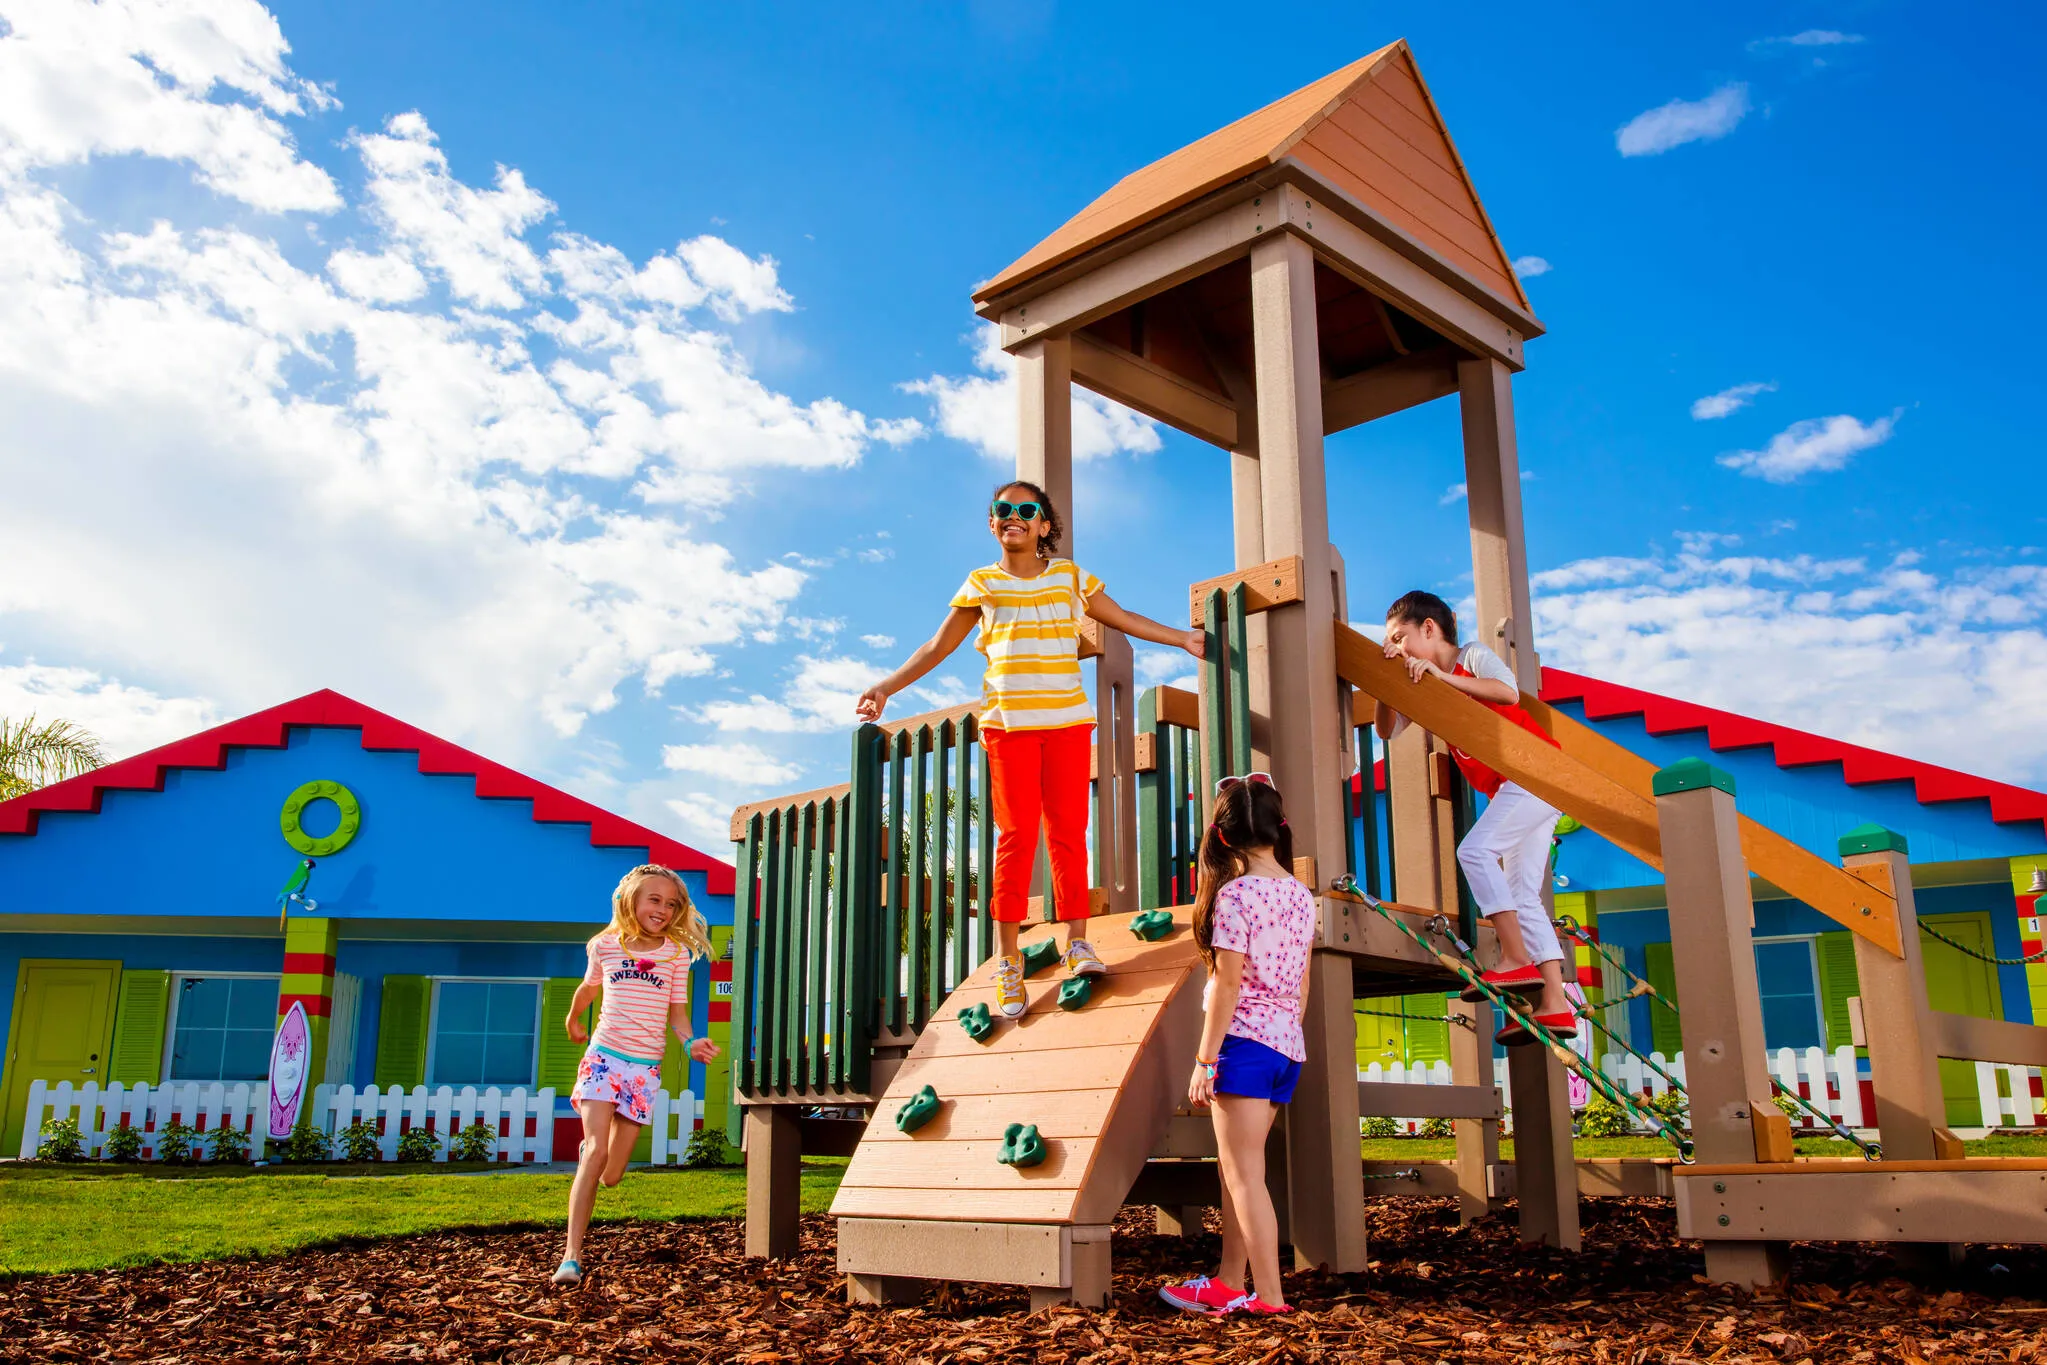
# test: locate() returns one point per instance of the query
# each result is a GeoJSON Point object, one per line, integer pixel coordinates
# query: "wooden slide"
{"type": "Point", "coordinates": [1101, 1083]}
{"type": "Point", "coordinates": [1605, 787]}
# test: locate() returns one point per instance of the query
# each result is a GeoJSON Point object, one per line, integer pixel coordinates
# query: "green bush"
{"type": "Point", "coordinates": [418, 1144]}
{"type": "Point", "coordinates": [1671, 1106]}
{"type": "Point", "coordinates": [1437, 1128]}
{"type": "Point", "coordinates": [1379, 1126]}
{"type": "Point", "coordinates": [123, 1144]}
{"type": "Point", "coordinates": [306, 1143]}
{"type": "Point", "coordinates": [359, 1142]}
{"type": "Point", "coordinates": [174, 1144]}
{"type": "Point", "coordinates": [228, 1145]}
{"type": "Point", "coordinates": [1603, 1118]}
{"type": "Point", "coordinates": [707, 1147]}
{"type": "Point", "coordinates": [60, 1141]}
{"type": "Point", "coordinates": [473, 1143]}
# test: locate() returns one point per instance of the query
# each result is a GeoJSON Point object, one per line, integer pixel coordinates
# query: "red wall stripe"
{"type": "Point", "coordinates": [317, 1006]}
{"type": "Point", "coordinates": [312, 964]}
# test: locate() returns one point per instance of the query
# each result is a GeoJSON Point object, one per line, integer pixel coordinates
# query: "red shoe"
{"type": "Point", "coordinates": [1519, 980]}
{"type": "Point", "coordinates": [1251, 1303]}
{"type": "Point", "coordinates": [1561, 1026]}
{"type": "Point", "coordinates": [1200, 1295]}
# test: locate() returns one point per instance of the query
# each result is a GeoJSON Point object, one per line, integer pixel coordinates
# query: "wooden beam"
{"type": "Point", "coordinates": [1177, 706]}
{"type": "Point", "coordinates": [1968, 1038]}
{"type": "Point", "coordinates": [745, 813]}
{"type": "Point", "coordinates": [1849, 901]}
{"type": "Point", "coordinates": [1275, 583]}
{"type": "Point", "coordinates": [1389, 388]}
{"type": "Point", "coordinates": [1889, 1201]}
{"type": "Point", "coordinates": [1038, 1254]}
{"type": "Point", "coordinates": [1402, 1100]}
{"type": "Point", "coordinates": [1154, 391]}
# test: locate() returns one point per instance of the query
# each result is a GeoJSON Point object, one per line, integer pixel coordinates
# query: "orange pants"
{"type": "Point", "coordinates": [1039, 777]}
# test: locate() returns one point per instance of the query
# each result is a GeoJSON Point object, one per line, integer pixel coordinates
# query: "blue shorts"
{"type": "Point", "coordinates": [1246, 1066]}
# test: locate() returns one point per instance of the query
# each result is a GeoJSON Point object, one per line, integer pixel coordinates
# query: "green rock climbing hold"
{"type": "Point", "coordinates": [976, 1022]}
{"type": "Point", "coordinates": [1567, 825]}
{"type": "Point", "coordinates": [1152, 925]}
{"type": "Point", "coordinates": [1074, 992]}
{"type": "Point", "coordinates": [923, 1106]}
{"type": "Point", "coordinates": [1021, 1145]}
{"type": "Point", "coordinates": [1040, 955]}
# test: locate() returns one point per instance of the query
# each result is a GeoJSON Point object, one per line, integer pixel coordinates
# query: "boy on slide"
{"type": "Point", "coordinates": [1505, 854]}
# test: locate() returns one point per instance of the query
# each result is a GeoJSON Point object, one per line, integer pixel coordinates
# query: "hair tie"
{"type": "Point", "coordinates": [1222, 836]}
{"type": "Point", "coordinates": [1282, 822]}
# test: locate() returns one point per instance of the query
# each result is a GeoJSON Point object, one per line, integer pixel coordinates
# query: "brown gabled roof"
{"type": "Point", "coordinates": [1370, 129]}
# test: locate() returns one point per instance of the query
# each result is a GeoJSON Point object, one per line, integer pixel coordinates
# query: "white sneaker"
{"type": "Point", "coordinates": [1080, 959]}
{"type": "Point", "coordinates": [1009, 986]}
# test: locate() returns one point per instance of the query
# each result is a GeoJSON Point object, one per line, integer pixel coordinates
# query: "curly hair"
{"type": "Point", "coordinates": [1048, 546]}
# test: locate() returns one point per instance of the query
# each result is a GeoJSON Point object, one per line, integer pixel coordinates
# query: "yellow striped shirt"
{"type": "Point", "coordinates": [1030, 635]}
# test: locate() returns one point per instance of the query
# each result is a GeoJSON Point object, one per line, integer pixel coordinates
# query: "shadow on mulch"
{"type": "Point", "coordinates": [682, 1292]}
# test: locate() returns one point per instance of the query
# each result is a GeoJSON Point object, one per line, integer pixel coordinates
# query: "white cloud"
{"type": "Point", "coordinates": [1728, 401]}
{"type": "Point", "coordinates": [1456, 492]}
{"type": "Point", "coordinates": [1528, 267]}
{"type": "Point", "coordinates": [706, 822]}
{"type": "Point", "coordinates": [818, 698]}
{"type": "Point", "coordinates": [1681, 121]}
{"type": "Point", "coordinates": [1937, 666]}
{"type": "Point", "coordinates": [1812, 37]}
{"type": "Point", "coordinates": [126, 719]}
{"type": "Point", "coordinates": [1816, 445]}
{"type": "Point", "coordinates": [738, 763]}
{"type": "Point", "coordinates": [878, 641]}
{"type": "Point", "coordinates": [471, 446]}
{"type": "Point", "coordinates": [981, 409]}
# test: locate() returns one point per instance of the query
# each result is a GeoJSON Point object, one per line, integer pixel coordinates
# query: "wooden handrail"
{"type": "Point", "coordinates": [891, 727]}
{"type": "Point", "coordinates": [1603, 786]}
{"type": "Point", "coordinates": [1274, 583]}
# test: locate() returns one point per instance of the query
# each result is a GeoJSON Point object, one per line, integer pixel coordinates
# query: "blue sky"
{"type": "Point", "coordinates": [596, 385]}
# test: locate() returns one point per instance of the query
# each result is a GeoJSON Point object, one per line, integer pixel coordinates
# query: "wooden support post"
{"type": "Point", "coordinates": [1896, 1017]}
{"type": "Point", "coordinates": [1178, 1220]}
{"type": "Point", "coordinates": [1492, 484]}
{"type": "Point", "coordinates": [1478, 1140]}
{"type": "Point", "coordinates": [885, 1290]}
{"type": "Point", "coordinates": [1248, 539]}
{"type": "Point", "coordinates": [1325, 1173]}
{"type": "Point", "coordinates": [1711, 927]}
{"type": "Point", "coordinates": [774, 1166]}
{"type": "Point", "coordinates": [1091, 1279]}
{"type": "Point", "coordinates": [1115, 842]}
{"type": "Point", "coordinates": [1545, 1168]}
{"type": "Point", "coordinates": [1044, 448]}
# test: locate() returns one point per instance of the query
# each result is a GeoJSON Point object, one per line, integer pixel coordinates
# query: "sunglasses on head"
{"type": "Point", "coordinates": [1223, 784]}
{"type": "Point", "coordinates": [1022, 511]}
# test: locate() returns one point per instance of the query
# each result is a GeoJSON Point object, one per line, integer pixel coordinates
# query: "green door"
{"type": "Point", "coordinates": [1959, 984]}
{"type": "Point", "coordinates": [62, 1031]}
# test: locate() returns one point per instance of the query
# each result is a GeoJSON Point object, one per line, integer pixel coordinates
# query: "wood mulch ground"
{"type": "Point", "coordinates": [682, 1292]}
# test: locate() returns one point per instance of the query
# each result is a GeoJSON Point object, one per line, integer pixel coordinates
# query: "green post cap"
{"type": "Point", "coordinates": [1567, 825]}
{"type": "Point", "coordinates": [1152, 925]}
{"type": "Point", "coordinates": [1074, 991]}
{"type": "Point", "coordinates": [921, 1109]}
{"type": "Point", "coordinates": [976, 1022]}
{"type": "Point", "coordinates": [1690, 775]}
{"type": "Point", "coordinates": [1872, 839]}
{"type": "Point", "coordinates": [1021, 1145]}
{"type": "Point", "coordinates": [1040, 955]}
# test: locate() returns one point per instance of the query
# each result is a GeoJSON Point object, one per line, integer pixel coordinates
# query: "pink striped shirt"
{"type": "Point", "coordinates": [638, 991]}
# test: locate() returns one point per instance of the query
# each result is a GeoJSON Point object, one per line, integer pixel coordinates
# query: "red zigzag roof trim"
{"type": "Point", "coordinates": [380, 734]}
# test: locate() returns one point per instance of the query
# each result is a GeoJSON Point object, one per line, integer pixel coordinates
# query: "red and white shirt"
{"type": "Point", "coordinates": [638, 993]}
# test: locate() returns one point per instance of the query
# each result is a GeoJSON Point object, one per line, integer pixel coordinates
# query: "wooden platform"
{"type": "Point", "coordinates": [1988, 1199]}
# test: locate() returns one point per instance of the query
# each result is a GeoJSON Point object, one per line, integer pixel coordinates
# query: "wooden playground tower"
{"type": "Point", "coordinates": [1320, 263]}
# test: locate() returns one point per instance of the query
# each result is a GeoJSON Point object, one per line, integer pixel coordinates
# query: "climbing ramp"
{"type": "Point", "coordinates": [1100, 1082]}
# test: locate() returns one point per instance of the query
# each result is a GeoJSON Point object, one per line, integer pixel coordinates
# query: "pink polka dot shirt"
{"type": "Point", "coordinates": [1271, 921]}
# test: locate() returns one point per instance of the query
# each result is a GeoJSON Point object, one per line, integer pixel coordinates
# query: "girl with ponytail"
{"type": "Point", "coordinates": [1254, 925]}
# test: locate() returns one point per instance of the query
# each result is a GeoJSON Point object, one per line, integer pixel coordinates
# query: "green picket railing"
{"type": "Point", "coordinates": [1167, 792]}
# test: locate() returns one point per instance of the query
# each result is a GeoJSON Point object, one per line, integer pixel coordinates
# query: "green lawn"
{"type": "Point", "coordinates": [55, 1218]}
{"type": "Point", "coordinates": [1425, 1149]}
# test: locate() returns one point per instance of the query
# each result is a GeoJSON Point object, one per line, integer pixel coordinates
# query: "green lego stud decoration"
{"type": "Point", "coordinates": [1690, 775]}
{"type": "Point", "coordinates": [976, 1022]}
{"type": "Point", "coordinates": [1040, 955]}
{"type": "Point", "coordinates": [295, 809]}
{"type": "Point", "coordinates": [922, 1108]}
{"type": "Point", "coordinates": [1567, 825]}
{"type": "Point", "coordinates": [1872, 839]}
{"type": "Point", "coordinates": [1152, 925]}
{"type": "Point", "coordinates": [1021, 1145]}
{"type": "Point", "coordinates": [1074, 992]}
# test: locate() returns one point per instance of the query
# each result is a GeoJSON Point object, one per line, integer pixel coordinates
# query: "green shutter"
{"type": "Point", "coordinates": [1379, 1038]}
{"type": "Point", "coordinates": [1838, 981]}
{"type": "Point", "coordinates": [137, 1058]}
{"type": "Point", "coordinates": [401, 1031]}
{"type": "Point", "coordinates": [1428, 1037]}
{"type": "Point", "coordinates": [1664, 1036]}
{"type": "Point", "coordinates": [559, 1053]}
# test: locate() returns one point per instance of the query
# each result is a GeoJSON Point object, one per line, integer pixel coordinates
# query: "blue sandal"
{"type": "Point", "coordinates": [570, 1273]}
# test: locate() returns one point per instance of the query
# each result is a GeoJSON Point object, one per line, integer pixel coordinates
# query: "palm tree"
{"type": "Point", "coordinates": [36, 753]}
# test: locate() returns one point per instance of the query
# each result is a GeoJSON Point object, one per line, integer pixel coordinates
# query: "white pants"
{"type": "Point", "coordinates": [1505, 856]}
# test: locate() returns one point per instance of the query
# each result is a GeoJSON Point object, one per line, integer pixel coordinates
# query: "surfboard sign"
{"type": "Point", "coordinates": [291, 1054]}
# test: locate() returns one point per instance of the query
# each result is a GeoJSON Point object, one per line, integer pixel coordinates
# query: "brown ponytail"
{"type": "Point", "coordinates": [1247, 815]}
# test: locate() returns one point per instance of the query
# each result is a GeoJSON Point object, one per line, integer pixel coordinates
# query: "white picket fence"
{"type": "Point", "coordinates": [2019, 1104]}
{"type": "Point", "coordinates": [201, 1105]}
{"type": "Point", "coordinates": [523, 1122]}
{"type": "Point", "coordinates": [674, 1120]}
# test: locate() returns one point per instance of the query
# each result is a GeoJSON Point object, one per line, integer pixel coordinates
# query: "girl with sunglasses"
{"type": "Point", "coordinates": [641, 965]}
{"type": "Point", "coordinates": [1035, 719]}
{"type": "Point", "coordinates": [1254, 925]}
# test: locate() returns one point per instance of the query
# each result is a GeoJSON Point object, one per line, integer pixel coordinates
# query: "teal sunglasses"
{"type": "Point", "coordinates": [1022, 511]}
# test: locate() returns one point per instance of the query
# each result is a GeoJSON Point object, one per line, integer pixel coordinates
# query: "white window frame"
{"type": "Point", "coordinates": [433, 1019]}
{"type": "Point", "coordinates": [1812, 955]}
{"type": "Point", "coordinates": [170, 1024]}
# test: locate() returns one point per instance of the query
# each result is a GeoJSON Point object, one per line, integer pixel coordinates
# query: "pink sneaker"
{"type": "Point", "coordinates": [1251, 1303]}
{"type": "Point", "coordinates": [1200, 1295]}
